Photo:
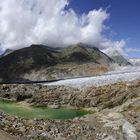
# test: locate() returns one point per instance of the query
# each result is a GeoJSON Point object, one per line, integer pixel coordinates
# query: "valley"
{"type": "Point", "coordinates": [78, 99]}
{"type": "Point", "coordinates": [69, 70]}
{"type": "Point", "coordinates": [120, 74]}
{"type": "Point", "coordinates": [114, 106]}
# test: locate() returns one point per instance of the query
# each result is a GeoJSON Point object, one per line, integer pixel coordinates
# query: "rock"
{"type": "Point", "coordinates": [22, 129]}
{"type": "Point", "coordinates": [54, 106]}
{"type": "Point", "coordinates": [109, 138]}
{"type": "Point", "coordinates": [129, 131]}
{"type": "Point", "coordinates": [117, 120]}
{"type": "Point", "coordinates": [6, 136]}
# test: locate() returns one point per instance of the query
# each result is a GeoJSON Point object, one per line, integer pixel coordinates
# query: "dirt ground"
{"type": "Point", "coordinates": [5, 136]}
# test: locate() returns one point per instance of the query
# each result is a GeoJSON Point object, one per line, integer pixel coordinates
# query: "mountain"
{"type": "Point", "coordinates": [135, 61]}
{"type": "Point", "coordinates": [40, 62]}
{"type": "Point", "coordinates": [117, 57]}
{"type": "Point", "coordinates": [6, 52]}
{"type": "Point", "coordinates": [23, 60]}
{"type": "Point", "coordinates": [85, 53]}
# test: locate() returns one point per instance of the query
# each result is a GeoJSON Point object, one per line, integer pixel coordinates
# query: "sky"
{"type": "Point", "coordinates": [106, 24]}
{"type": "Point", "coordinates": [124, 20]}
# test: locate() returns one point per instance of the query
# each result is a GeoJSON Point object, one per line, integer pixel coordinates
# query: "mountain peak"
{"type": "Point", "coordinates": [6, 52]}
{"type": "Point", "coordinates": [117, 57]}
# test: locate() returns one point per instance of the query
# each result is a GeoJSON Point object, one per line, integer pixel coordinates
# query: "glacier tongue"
{"type": "Point", "coordinates": [119, 75]}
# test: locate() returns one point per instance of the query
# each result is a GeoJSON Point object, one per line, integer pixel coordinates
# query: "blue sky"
{"type": "Point", "coordinates": [124, 20]}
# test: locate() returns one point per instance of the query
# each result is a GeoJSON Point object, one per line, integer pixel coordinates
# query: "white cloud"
{"type": "Point", "coordinates": [26, 22]}
{"type": "Point", "coordinates": [132, 50]}
{"type": "Point", "coordinates": [109, 47]}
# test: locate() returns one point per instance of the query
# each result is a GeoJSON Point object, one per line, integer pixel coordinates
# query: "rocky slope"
{"type": "Point", "coordinates": [116, 113]}
{"type": "Point", "coordinates": [117, 57]}
{"type": "Point", "coordinates": [103, 96]}
{"type": "Point", "coordinates": [6, 136]}
{"type": "Point", "coordinates": [39, 62]}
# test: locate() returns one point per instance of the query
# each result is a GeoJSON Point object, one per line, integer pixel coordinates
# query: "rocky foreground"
{"type": "Point", "coordinates": [6, 136]}
{"type": "Point", "coordinates": [115, 112]}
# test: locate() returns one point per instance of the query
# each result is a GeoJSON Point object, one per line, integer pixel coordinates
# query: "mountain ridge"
{"type": "Point", "coordinates": [40, 62]}
{"type": "Point", "coordinates": [117, 57]}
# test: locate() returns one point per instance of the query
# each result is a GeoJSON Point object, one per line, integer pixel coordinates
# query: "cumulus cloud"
{"type": "Point", "coordinates": [111, 47]}
{"type": "Point", "coordinates": [49, 22]}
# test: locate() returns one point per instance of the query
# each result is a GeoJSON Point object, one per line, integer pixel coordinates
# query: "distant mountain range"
{"type": "Point", "coordinates": [135, 61]}
{"type": "Point", "coordinates": [40, 62]}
